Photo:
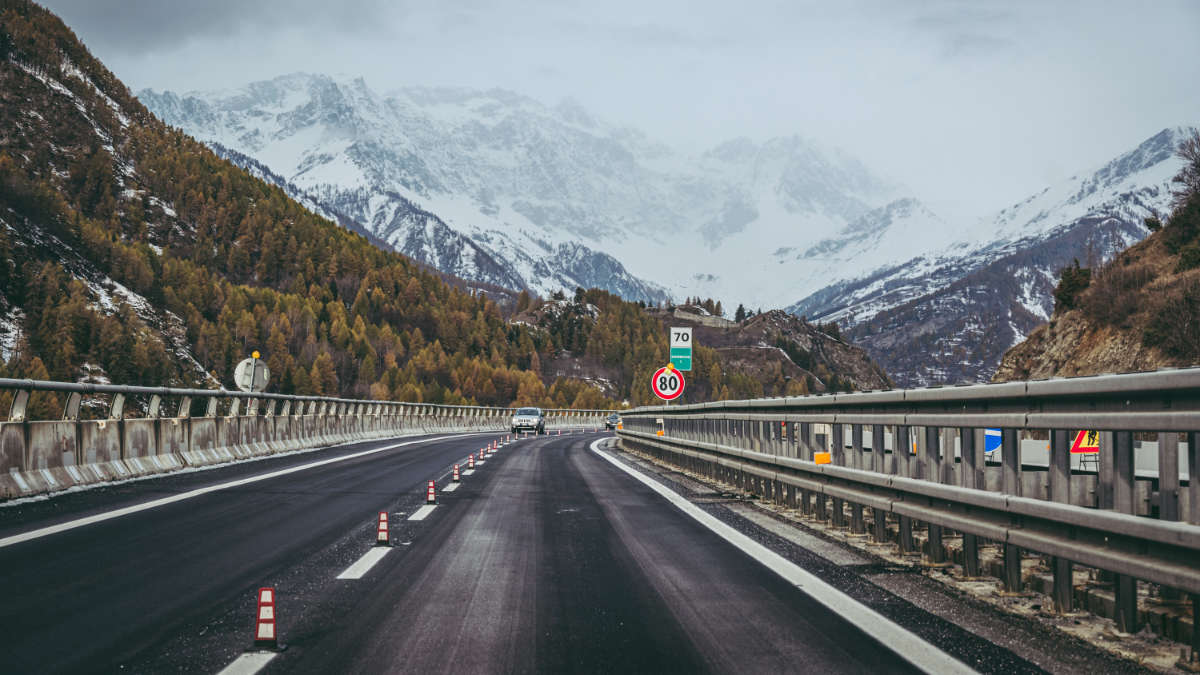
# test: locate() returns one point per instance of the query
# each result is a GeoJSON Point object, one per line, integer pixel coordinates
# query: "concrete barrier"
{"type": "Point", "coordinates": [40, 456]}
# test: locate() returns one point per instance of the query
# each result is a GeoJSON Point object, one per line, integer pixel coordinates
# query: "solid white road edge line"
{"type": "Point", "coordinates": [894, 637]}
{"type": "Point", "coordinates": [248, 663]}
{"type": "Point", "coordinates": [423, 512]}
{"type": "Point", "coordinates": [451, 487]}
{"type": "Point", "coordinates": [365, 563]}
{"type": "Point", "coordinates": [109, 515]}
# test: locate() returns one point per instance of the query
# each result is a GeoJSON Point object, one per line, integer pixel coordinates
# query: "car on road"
{"type": "Point", "coordinates": [529, 419]}
{"type": "Point", "coordinates": [612, 421]}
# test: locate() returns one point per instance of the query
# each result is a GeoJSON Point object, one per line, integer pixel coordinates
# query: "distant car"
{"type": "Point", "coordinates": [612, 421]}
{"type": "Point", "coordinates": [529, 419]}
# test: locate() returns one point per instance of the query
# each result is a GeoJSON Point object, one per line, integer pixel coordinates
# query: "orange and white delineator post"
{"type": "Point", "coordinates": [264, 624]}
{"type": "Point", "coordinates": [382, 538]}
{"type": "Point", "coordinates": [471, 462]}
{"type": "Point", "coordinates": [431, 493]}
{"type": "Point", "coordinates": [454, 476]}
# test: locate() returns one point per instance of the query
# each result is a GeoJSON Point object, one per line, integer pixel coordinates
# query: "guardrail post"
{"type": "Point", "coordinates": [855, 458]}
{"type": "Point", "coordinates": [838, 432]}
{"type": "Point", "coordinates": [1060, 491]}
{"type": "Point", "coordinates": [969, 477]}
{"type": "Point", "coordinates": [879, 455]}
{"type": "Point", "coordinates": [1124, 501]}
{"type": "Point", "coordinates": [902, 463]}
{"type": "Point", "coordinates": [901, 451]}
{"type": "Point", "coordinates": [1010, 484]}
{"type": "Point", "coordinates": [878, 448]}
{"type": "Point", "coordinates": [933, 455]}
{"type": "Point", "coordinates": [1193, 463]}
{"type": "Point", "coordinates": [1168, 490]}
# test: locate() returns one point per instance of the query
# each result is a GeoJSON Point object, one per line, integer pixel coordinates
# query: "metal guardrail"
{"type": "Point", "coordinates": [39, 456]}
{"type": "Point", "coordinates": [940, 480]}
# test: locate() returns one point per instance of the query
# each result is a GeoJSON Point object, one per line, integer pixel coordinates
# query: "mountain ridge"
{"type": "Point", "coordinates": [518, 178]}
{"type": "Point", "coordinates": [989, 295]}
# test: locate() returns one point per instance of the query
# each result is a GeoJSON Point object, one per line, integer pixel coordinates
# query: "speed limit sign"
{"type": "Point", "coordinates": [667, 383]}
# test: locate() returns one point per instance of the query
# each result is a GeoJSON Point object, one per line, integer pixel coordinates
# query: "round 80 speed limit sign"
{"type": "Point", "coordinates": [667, 383]}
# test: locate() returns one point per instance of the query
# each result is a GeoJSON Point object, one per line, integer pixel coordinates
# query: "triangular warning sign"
{"type": "Point", "coordinates": [1086, 442]}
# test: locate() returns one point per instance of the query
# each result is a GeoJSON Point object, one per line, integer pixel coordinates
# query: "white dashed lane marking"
{"type": "Point", "coordinates": [423, 512]}
{"type": "Point", "coordinates": [101, 517]}
{"type": "Point", "coordinates": [248, 663]}
{"type": "Point", "coordinates": [365, 563]}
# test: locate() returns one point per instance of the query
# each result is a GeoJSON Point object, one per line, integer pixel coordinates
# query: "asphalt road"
{"type": "Point", "coordinates": [547, 559]}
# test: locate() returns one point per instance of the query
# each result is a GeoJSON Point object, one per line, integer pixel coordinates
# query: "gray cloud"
{"type": "Point", "coordinates": [138, 27]}
{"type": "Point", "coordinates": [972, 103]}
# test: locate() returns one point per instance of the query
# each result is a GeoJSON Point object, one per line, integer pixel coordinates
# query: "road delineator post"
{"type": "Point", "coordinates": [471, 462]}
{"type": "Point", "coordinates": [454, 476]}
{"type": "Point", "coordinates": [264, 624]}
{"type": "Point", "coordinates": [431, 493]}
{"type": "Point", "coordinates": [382, 537]}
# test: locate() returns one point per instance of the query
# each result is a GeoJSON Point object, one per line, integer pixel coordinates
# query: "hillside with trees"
{"type": "Point", "coordinates": [131, 253]}
{"type": "Point", "coordinates": [1140, 311]}
{"type": "Point", "coordinates": [616, 345]}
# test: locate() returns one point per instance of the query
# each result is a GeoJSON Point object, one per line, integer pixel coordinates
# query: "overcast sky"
{"type": "Point", "coordinates": [973, 105]}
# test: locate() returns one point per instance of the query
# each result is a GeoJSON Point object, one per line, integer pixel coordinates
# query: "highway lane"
{"type": "Point", "coordinates": [169, 586]}
{"type": "Point", "coordinates": [547, 559]}
{"type": "Point", "coordinates": [560, 562]}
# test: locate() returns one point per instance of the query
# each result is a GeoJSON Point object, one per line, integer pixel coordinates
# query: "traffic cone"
{"type": "Point", "coordinates": [431, 493]}
{"type": "Point", "coordinates": [455, 477]}
{"type": "Point", "coordinates": [471, 462]}
{"type": "Point", "coordinates": [264, 625]}
{"type": "Point", "coordinates": [381, 534]}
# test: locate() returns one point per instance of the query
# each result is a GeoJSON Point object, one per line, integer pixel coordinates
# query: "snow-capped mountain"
{"type": "Point", "coordinates": [496, 187]}
{"type": "Point", "coordinates": [949, 315]}
{"type": "Point", "coordinates": [549, 195]}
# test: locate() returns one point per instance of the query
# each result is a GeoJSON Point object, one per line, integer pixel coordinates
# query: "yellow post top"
{"type": "Point", "coordinates": [670, 366]}
{"type": "Point", "coordinates": [254, 354]}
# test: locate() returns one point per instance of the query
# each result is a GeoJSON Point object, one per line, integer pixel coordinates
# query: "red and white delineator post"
{"type": "Point", "coordinates": [382, 538]}
{"type": "Point", "coordinates": [454, 476]}
{"type": "Point", "coordinates": [431, 493]}
{"type": "Point", "coordinates": [471, 462]}
{"type": "Point", "coordinates": [264, 625]}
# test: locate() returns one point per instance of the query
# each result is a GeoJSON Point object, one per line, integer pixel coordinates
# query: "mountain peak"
{"type": "Point", "coordinates": [520, 179]}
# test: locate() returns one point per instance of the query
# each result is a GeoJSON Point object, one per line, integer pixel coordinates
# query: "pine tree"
{"type": "Point", "coordinates": [740, 315]}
